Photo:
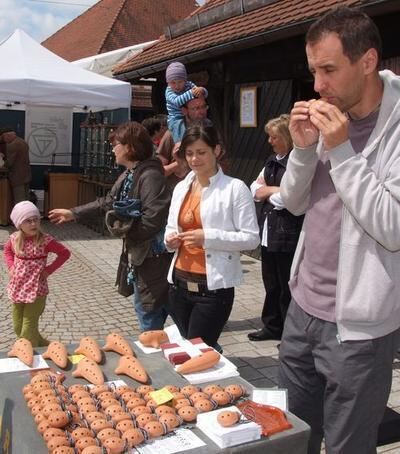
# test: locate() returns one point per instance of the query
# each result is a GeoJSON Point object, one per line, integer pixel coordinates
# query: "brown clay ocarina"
{"type": "Point", "coordinates": [57, 352]}
{"type": "Point", "coordinates": [23, 350]}
{"type": "Point", "coordinates": [90, 371]}
{"type": "Point", "coordinates": [133, 437]}
{"type": "Point", "coordinates": [116, 343]}
{"type": "Point", "coordinates": [90, 348]}
{"type": "Point", "coordinates": [153, 338]}
{"type": "Point", "coordinates": [131, 366]}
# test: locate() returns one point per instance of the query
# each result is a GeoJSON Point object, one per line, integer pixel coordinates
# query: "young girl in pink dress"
{"type": "Point", "coordinates": [25, 254]}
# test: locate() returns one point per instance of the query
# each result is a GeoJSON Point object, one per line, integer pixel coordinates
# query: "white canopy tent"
{"type": "Point", "coordinates": [103, 63]}
{"type": "Point", "coordinates": [32, 75]}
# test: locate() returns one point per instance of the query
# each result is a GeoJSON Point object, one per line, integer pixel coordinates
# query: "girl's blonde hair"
{"type": "Point", "coordinates": [281, 125]}
{"type": "Point", "coordinates": [20, 241]}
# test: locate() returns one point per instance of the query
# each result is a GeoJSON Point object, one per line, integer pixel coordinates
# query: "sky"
{"type": "Point", "coordinates": [41, 18]}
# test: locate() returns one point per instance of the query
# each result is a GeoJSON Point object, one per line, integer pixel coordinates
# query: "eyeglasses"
{"type": "Point", "coordinates": [198, 108]}
{"type": "Point", "coordinates": [34, 220]}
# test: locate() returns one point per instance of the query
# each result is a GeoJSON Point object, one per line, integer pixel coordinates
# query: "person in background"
{"type": "Point", "coordinates": [175, 168]}
{"type": "Point", "coordinates": [178, 92]}
{"type": "Point", "coordinates": [156, 126]}
{"type": "Point", "coordinates": [142, 235]}
{"type": "Point", "coordinates": [211, 219]}
{"type": "Point", "coordinates": [26, 253]}
{"type": "Point", "coordinates": [18, 165]}
{"type": "Point", "coordinates": [342, 326]}
{"type": "Point", "coordinates": [279, 231]}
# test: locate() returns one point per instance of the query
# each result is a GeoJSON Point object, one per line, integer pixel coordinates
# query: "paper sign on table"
{"type": "Point", "coordinates": [161, 396]}
{"type": "Point", "coordinates": [15, 365]}
{"type": "Point", "coordinates": [180, 440]}
{"type": "Point", "coordinates": [75, 358]}
{"type": "Point", "coordinates": [275, 397]}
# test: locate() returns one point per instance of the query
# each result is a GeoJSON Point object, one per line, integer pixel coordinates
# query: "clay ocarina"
{"type": "Point", "coordinates": [228, 418]}
{"type": "Point", "coordinates": [211, 389]}
{"type": "Point", "coordinates": [129, 365]}
{"type": "Point", "coordinates": [188, 413]}
{"type": "Point", "coordinates": [204, 405]}
{"type": "Point", "coordinates": [170, 421]}
{"type": "Point", "coordinates": [116, 343]}
{"type": "Point", "coordinates": [56, 442]}
{"type": "Point", "coordinates": [23, 350]}
{"type": "Point", "coordinates": [202, 362]}
{"type": "Point", "coordinates": [222, 398]}
{"type": "Point", "coordinates": [59, 419]}
{"type": "Point", "coordinates": [57, 352]}
{"type": "Point", "coordinates": [115, 445]}
{"type": "Point", "coordinates": [90, 348]}
{"type": "Point", "coordinates": [63, 450]}
{"type": "Point", "coordinates": [155, 429]}
{"type": "Point", "coordinates": [90, 371]}
{"type": "Point", "coordinates": [236, 391]}
{"type": "Point", "coordinates": [84, 442]}
{"type": "Point", "coordinates": [93, 450]}
{"type": "Point", "coordinates": [153, 338]}
{"type": "Point", "coordinates": [134, 437]}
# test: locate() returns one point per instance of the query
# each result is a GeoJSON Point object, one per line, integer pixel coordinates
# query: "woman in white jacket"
{"type": "Point", "coordinates": [211, 219]}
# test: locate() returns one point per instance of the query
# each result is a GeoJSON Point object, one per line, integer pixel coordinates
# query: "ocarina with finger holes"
{"type": "Point", "coordinates": [57, 352]}
{"type": "Point", "coordinates": [90, 348]}
{"type": "Point", "coordinates": [90, 371]}
{"type": "Point", "coordinates": [153, 338]}
{"type": "Point", "coordinates": [23, 350]}
{"type": "Point", "coordinates": [116, 343]}
{"type": "Point", "coordinates": [131, 366]}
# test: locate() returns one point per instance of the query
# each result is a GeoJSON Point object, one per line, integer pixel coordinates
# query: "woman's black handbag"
{"type": "Point", "coordinates": [125, 288]}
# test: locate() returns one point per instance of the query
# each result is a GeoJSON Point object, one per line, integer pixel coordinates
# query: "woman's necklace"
{"type": "Point", "coordinates": [188, 217]}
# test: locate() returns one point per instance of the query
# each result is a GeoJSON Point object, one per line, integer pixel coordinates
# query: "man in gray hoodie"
{"type": "Point", "coordinates": [342, 328]}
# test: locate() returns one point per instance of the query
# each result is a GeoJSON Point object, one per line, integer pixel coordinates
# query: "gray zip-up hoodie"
{"type": "Point", "coordinates": [368, 183]}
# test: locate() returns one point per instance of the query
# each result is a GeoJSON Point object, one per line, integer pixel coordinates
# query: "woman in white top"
{"type": "Point", "coordinates": [211, 219]}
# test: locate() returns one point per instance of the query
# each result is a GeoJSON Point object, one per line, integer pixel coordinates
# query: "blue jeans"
{"type": "Point", "coordinates": [152, 320]}
{"type": "Point", "coordinates": [177, 128]}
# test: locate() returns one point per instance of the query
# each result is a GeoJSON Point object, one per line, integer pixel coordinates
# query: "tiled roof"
{"type": "Point", "coordinates": [266, 19]}
{"type": "Point", "coordinates": [112, 24]}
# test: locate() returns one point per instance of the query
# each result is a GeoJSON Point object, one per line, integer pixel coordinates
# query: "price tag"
{"type": "Point", "coordinates": [75, 358]}
{"type": "Point", "coordinates": [161, 396]}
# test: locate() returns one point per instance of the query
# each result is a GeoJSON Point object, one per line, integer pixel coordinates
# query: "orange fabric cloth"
{"type": "Point", "coordinates": [191, 259]}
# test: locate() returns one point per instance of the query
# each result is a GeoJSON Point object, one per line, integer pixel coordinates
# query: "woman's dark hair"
{"type": "Point", "coordinates": [356, 31]}
{"type": "Point", "coordinates": [199, 131]}
{"type": "Point", "coordinates": [136, 137]}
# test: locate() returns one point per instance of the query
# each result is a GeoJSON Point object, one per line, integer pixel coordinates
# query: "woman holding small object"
{"type": "Point", "coordinates": [136, 210]}
{"type": "Point", "coordinates": [211, 219]}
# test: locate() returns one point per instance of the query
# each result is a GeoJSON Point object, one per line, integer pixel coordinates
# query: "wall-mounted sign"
{"type": "Point", "coordinates": [248, 107]}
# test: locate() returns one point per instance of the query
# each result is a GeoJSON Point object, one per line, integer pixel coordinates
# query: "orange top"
{"type": "Point", "coordinates": [191, 259]}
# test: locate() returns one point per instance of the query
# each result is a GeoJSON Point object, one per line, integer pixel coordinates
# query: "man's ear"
{"type": "Point", "coordinates": [370, 61]}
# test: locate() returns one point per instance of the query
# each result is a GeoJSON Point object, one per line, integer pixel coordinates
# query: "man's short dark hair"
{"type": "Point", "coordinates": [356, 31]}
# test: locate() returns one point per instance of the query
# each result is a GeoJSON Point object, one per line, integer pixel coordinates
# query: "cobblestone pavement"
{"type": "Point", "coordinates": [83, 301]}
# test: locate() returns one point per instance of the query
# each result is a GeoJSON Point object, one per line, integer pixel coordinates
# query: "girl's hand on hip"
{"type": "Point", "coordinates": [193, 238]}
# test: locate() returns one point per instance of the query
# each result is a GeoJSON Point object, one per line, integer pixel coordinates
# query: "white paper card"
{"type": "Point", "coordinates": [15, 365]}
{"type": "Point", "coordinates": [180, 440]}
{"type": "Point", "coordinates": [275, 397]}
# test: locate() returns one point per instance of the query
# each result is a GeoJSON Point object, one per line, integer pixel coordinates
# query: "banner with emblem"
{"type": "Point", "coordinates": [48, 131]}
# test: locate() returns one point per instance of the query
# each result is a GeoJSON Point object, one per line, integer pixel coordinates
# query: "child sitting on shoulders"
{"type": "Point", "coordinates": [177, 94]}
{"type": "Point", "coordinates": [25, 254]}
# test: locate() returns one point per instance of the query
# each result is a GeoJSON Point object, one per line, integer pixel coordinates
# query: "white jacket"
{"type": "Point", "coordinates": [368, 183]}
{"type": "Point", "coordinates": [229, 223]}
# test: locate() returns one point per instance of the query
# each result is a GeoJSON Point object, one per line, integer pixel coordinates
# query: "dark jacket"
{"type": "Point", "coordinates": [151, 188]}
{"type": "Point", "coordinates": [283, 227]}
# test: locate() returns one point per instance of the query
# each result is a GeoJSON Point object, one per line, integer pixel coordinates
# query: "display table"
{"type": "Point", "coordinates": [5, 197]}
{"type": "Point", "coordinates": [26, 440]}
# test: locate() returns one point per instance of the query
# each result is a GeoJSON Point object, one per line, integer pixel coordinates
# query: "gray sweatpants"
{"type": "Point", "coordinates": [339, 389]}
